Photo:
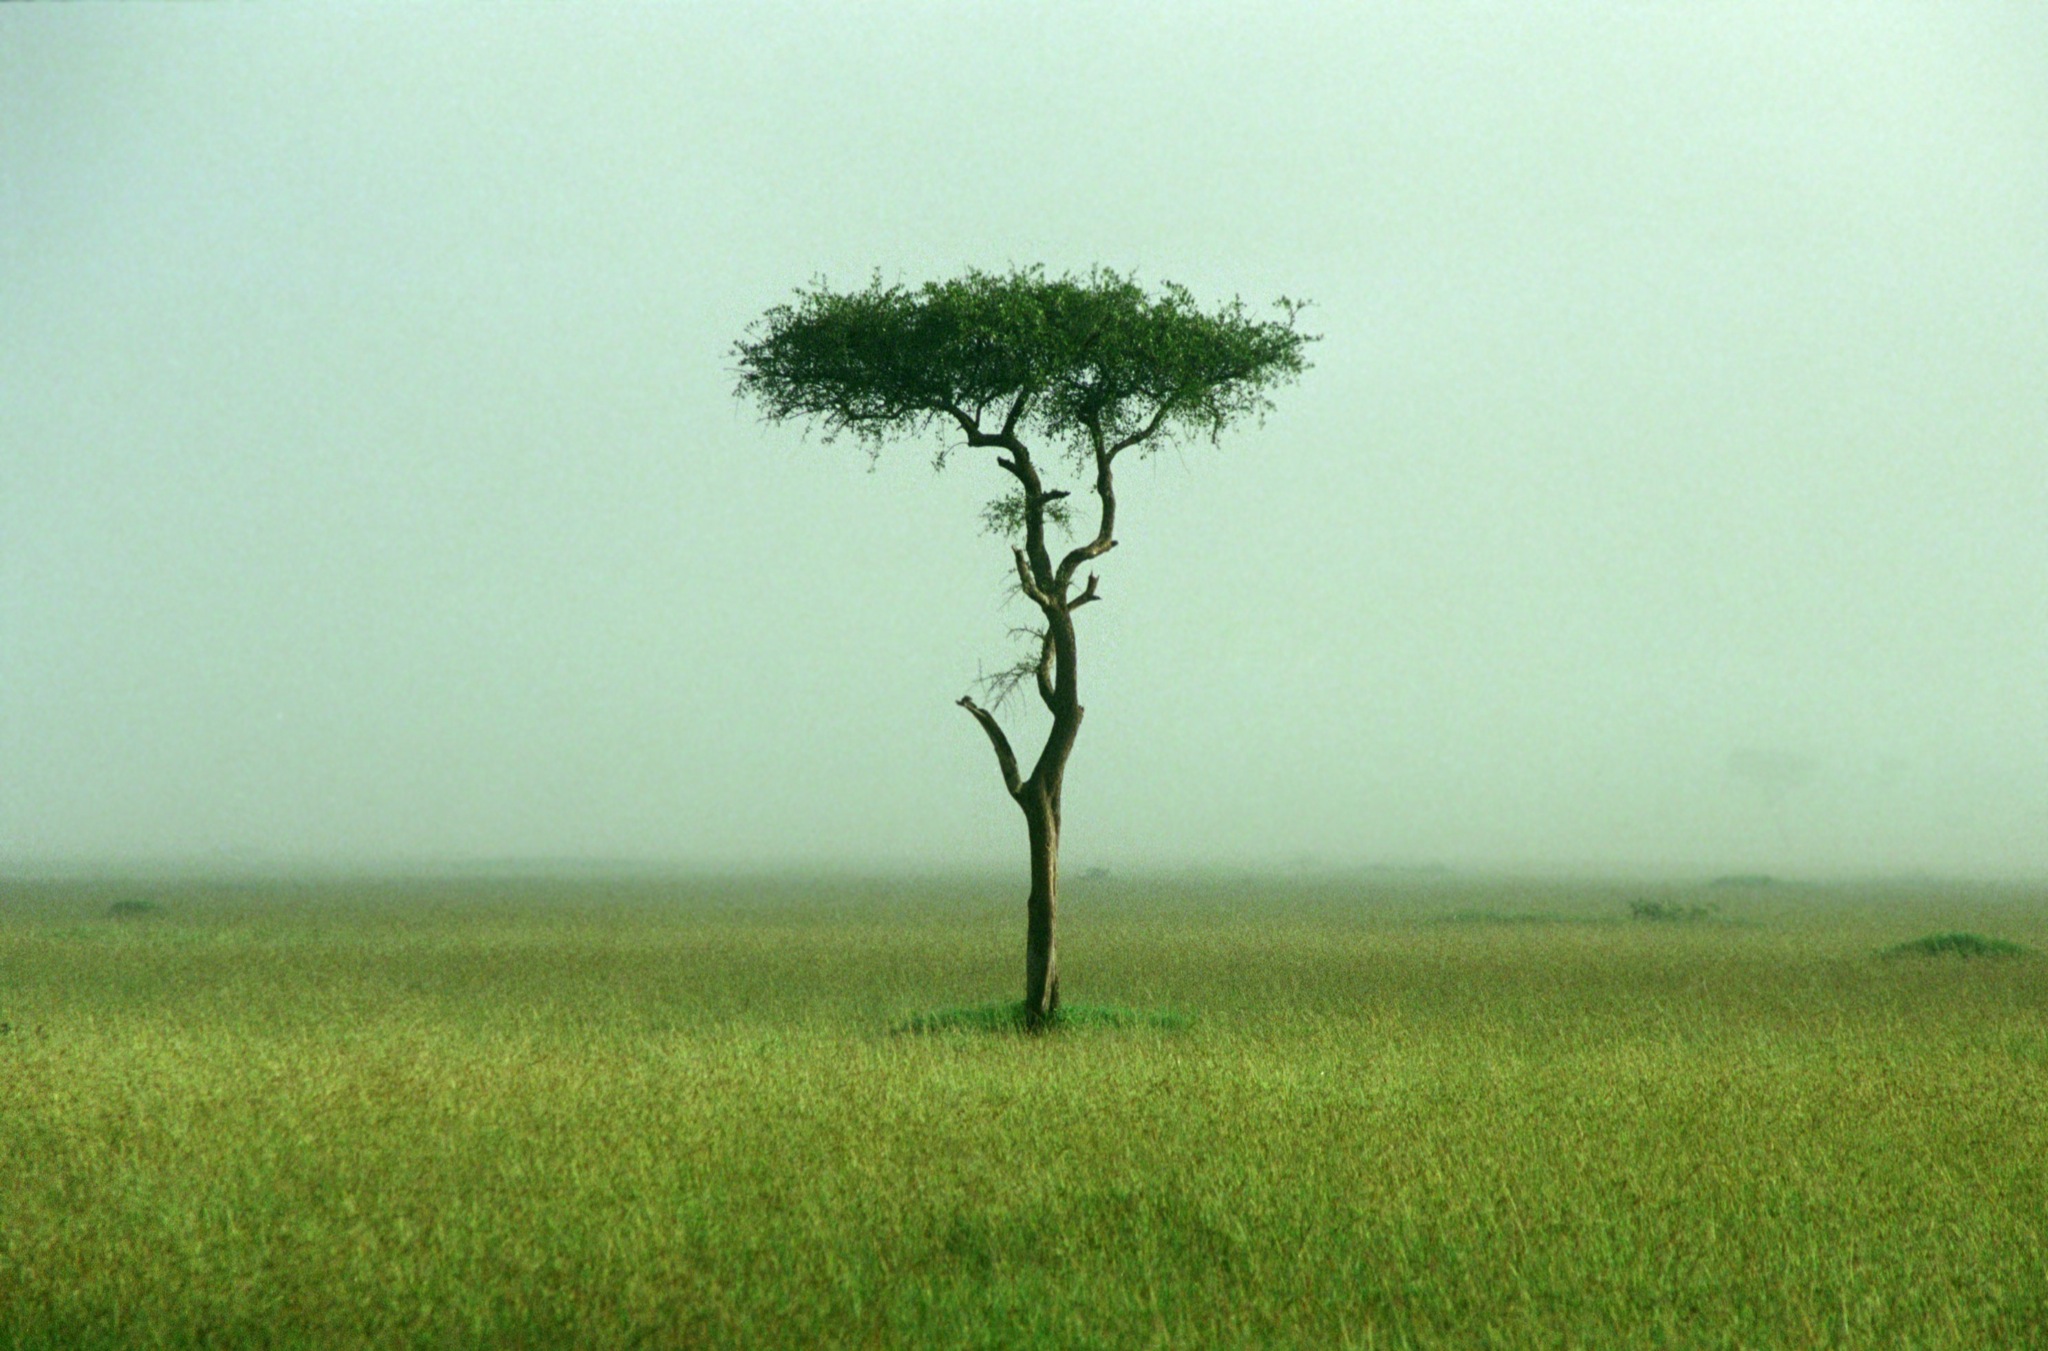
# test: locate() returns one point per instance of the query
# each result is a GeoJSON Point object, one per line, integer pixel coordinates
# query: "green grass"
{"type": "Point", "coordinates": [1005, 1018]}
{"type": "Point", "coordinates": [649, 1114]}
{"type": "Point", "coordinates": [1959, 945]}
{"type": "Point", "coordinates": [1511, 917]}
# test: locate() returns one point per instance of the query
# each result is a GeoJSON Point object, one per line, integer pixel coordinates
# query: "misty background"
{"type": "Point", "coordinates": [1671, 489]}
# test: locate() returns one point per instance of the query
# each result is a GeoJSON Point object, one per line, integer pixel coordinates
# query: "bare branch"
{"type": "Point", "coordinates": [1017, 464]}
{"type": "Point", "coordinates": [1034, 564]}
{"type": "Point", "coordinates": [1043, 670]}
{"type": "Point", "coordinates": [1000, 685]}
{"type": "Point", "coordinates": [1105, 496]}
{"type": "Point", "coordinates": [1006, 759]}
{"type": "Point", "coordinates": [1037, 668]}
{"type": "Point", "coordinates": [1016, 413]}
{"type": "Point", "coordinates": [1028, 584]}
{"type": "Point", "coordinates": [1105, 539]}
{"type": "Point", "coordinates": [968, 423]}
{"type": "Point", "coordinates": [1093, 549]}
{"type": "Point", "coordinates": [1144, 433]}
{"type": "Point", "coordinates": [1087, 593]}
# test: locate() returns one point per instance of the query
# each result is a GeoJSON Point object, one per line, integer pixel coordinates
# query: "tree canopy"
{"type": "Point", "coordinates": [1093, 364]}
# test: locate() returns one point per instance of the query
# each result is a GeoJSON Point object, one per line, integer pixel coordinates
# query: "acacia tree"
{"type": "Point", "coordinates": [1088, 369]}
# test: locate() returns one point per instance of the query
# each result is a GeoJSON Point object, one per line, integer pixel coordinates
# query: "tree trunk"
{"type": "Point", "coordinates": [1041, 955]}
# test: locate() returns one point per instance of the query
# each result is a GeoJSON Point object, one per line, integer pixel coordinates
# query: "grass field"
{"type": "Point", "coordinates": [1344, 1113]}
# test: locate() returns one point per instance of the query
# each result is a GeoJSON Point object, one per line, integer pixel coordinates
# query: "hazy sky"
{"type": "Point", "coordinates": [1671, 487]}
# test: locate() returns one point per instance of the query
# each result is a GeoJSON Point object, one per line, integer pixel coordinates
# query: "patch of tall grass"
{"type": "Point", "coordinates": [1959, 945]}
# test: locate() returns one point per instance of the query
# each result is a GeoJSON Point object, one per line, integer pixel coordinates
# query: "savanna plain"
{"type": "Point", "coordinates": [1367, 1111]}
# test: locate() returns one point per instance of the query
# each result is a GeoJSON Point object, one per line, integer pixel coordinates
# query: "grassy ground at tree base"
{"type": "Point", "coordinates": [1010, 1017]}
{"type": "Point", "coordinates": [688, 1114]}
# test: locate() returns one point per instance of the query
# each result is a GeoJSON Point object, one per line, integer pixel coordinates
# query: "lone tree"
{"type": "Point", "coordinates": [1088, 368]}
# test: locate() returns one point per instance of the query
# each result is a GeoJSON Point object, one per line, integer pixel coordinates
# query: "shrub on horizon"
{"type": "Point", "coordinates": [1959, 945]}
{"type": "Point", "coordinates": [1673, 913]}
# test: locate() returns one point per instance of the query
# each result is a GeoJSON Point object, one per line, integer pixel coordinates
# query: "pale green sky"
{"type": "Point", "coordinates": [1671, 489]}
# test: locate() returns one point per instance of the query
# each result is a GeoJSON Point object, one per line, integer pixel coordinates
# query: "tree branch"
{"type": "Point", "coordinates": [1019, 466]}
{"type": "Point", "coordinates": [1087, 594]}
{"type": "Point", "coordinates": [1037, 667]}
{"type": "Point", "coordinates": [968, 424]}
{"type": "Point", "coordinates": [1144, 433]}
{"type": "Point", "coordinates": [1105, 494]}
{"type": "Point", "coordinates": [1028, 584]}
{"type": "Point", "coordinates": [1005, 757]}
{"type": "Point", "coordinates": [1016, 413]}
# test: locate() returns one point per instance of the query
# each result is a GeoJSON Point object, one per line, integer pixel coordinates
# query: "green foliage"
{"type": "Point", "coordinates": [1669, 912]}
{"type": "Point", "coordinates": [1095, 358]}
{"type": "Point", "coordinates": [1959, 945]}
{"type": "Point", "coordinates": [1005, 515]}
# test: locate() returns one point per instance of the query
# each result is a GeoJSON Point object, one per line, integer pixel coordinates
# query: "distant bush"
{"type": "Point", "coordinates": [1672, 913]}
{"type": "Point", "coordinates": [132, 909]}
{"type": "Point", "coordinates": [1743, 880]}
{"type": "Point", "coordinates": [1958, 945]}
